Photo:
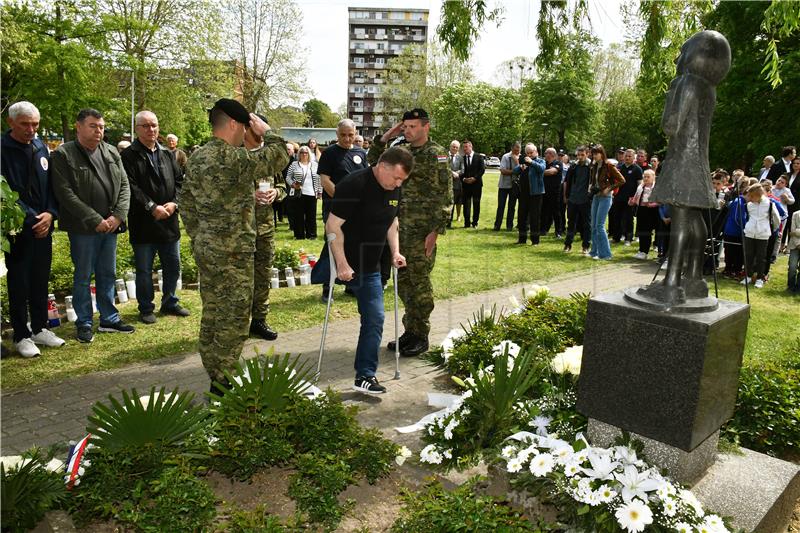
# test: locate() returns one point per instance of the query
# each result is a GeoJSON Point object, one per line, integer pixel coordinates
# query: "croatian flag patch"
{"type": "Point", "coordinates": [441, 158]}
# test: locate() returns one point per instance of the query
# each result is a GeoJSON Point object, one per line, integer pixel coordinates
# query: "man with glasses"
{"type": "Point", "coordinates": [155, 180]}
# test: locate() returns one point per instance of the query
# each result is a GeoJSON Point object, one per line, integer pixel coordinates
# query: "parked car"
{"type": "Point", "coordinates": [492, 162]}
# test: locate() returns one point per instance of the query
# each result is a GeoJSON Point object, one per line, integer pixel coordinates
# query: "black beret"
{"type": "Point", "coordinates": [561, 152]}
{"type": "Point", "coordinates": [620, 149]}
{"type": "Point", "coordinates": [414, 114]}
{"type": "Point", "coordinates": [233, 109]}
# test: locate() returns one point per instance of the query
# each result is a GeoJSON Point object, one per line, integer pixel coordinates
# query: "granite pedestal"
{"type": "Point", "coordinates": [671, 378]}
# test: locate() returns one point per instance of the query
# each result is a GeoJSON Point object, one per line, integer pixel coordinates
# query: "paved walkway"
{"type": "Point", "coordinates": [57, 412]}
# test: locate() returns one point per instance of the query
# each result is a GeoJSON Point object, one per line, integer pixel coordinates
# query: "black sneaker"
{"type": "Point", "coordinates": [404, 338]}
{"type": "Point", "coordinates": [262, 329]}
{"type": "Point", "coordinates": [147, 318]}
{"type": "Point", "coordinates": [368, 385]}
{"type": "Point", "coordinates": [567, 248]}
{"type": "Point", "coordinates": [415, 346]}
{"type": "Point", "coordinates": [85, 334]}
{"type": "Point", "coordinates": [175, 311]}
{"type": "Point", "coordinates": [117, 327]}
{"type": "Point", "coordinates": [325, 295]}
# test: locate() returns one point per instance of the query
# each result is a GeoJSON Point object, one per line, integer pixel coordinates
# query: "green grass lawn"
{"type": "Point", "coordinates": [468, 260]}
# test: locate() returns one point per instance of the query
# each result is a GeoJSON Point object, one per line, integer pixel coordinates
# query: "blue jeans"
{"type": "Point", "coordinates": [600, 207]}
{"type": "Point", "coordinates": [170, 255]}
{"type": "Point", "coordinates": [369, 293]}
{"type": "Point", "coordinates": [94, 254]}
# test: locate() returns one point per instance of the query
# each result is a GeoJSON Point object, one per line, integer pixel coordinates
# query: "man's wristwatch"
{"type": "Point", "coordinates": [149, 206]}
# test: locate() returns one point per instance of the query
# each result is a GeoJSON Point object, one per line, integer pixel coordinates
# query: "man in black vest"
{"type": "Point", "coordinates": [155, 179]}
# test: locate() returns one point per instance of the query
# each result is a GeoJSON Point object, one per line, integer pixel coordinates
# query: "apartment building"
{"type": "Point", "coordinates": [376, 35]}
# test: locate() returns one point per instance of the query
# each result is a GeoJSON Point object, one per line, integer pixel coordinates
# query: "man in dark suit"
{"type": "Point", "coordinates": [472, 181]}
{"type": "Point", "coordinates": [782, 165]}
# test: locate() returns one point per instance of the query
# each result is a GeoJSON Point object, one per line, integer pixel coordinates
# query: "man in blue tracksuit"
{"type": "Point", "coordinates": [25, 163]}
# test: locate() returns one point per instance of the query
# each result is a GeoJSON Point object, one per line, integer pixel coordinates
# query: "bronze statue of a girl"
{"type": "Point", "coordinates": [685, 179]}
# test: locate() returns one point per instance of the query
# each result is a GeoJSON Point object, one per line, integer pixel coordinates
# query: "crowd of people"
{"type": "Point", "coordinates": [231, 192]}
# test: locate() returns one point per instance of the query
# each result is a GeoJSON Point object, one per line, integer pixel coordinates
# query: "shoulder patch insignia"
{"type": "Point", "coordinates": [441, 159]}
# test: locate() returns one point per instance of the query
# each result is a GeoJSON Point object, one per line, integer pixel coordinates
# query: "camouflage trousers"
{"type": "Point", "coordinates": [414, 286]}
{"type": "Point", "coordinates": [265, 253]}
{"type": "Point", "coordinates": [226, 291]}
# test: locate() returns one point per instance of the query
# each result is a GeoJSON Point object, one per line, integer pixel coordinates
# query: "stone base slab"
{"type": "Point", "coordinates": [758, 491]}
{"type": "Point", "coordinates": [684, 467]}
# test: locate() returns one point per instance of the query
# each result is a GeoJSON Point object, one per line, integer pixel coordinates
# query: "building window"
{"type": "Point", "coordinates": [379, 62]}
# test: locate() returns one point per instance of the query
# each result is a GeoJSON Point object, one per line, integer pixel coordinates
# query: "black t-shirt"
{"type": "Point", "coordinates": [338, 162]}
{"type": "Point", "coordinates": [551, 183]}
{"type": "Point", "coordinates": [368, 210]}
{"type": "Point", "coordinates": [633, 176]}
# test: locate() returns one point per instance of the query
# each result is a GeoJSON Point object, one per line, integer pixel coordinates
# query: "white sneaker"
{"type": "Point", "coordinates": [744, 281]}
{"type": "Point", "coordinates": [48, 338]}
{"type": "Point", "coordinates": [26, 348]}
{"type": "Point", "coordinates": [627, 243]}
{"type": "Point", "coordinates": [759, 284]}
{"type": "Point", "coordinates": [640, 255]}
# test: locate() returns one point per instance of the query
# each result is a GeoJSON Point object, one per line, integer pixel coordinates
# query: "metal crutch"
{"type": "Point", "coordinates": [396, 327]}
{"type": "Point", "coordinates": [331, 283]}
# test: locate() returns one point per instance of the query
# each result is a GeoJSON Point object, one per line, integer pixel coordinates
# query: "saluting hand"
{"type": "Point", "coordinates": [258, 126]}
{"type": "Point", "coordinates": [396, 130]}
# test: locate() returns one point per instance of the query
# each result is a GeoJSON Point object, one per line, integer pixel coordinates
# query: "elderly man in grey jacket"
{"type": "Point", "coordinates": [91, 186]}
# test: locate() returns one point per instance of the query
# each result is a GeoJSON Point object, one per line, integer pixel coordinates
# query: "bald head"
{"type": "Point", "coordinates": [346, 133]}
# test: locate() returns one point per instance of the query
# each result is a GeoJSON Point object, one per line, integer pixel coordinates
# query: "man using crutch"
{"type": "Point", "coordinates": [362, 220]}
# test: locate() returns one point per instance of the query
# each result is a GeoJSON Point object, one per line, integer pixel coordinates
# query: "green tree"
{"type": "Point", "coordinates": [50, 59]}
{"type": "Point", "coordinates": [265, 37]}
{"type": "Point", "coordinates": [461, 23]}
{"type": "Point", "coordinates": [622, 116]}
{"type": "Point", "coordinates": [286, 116]}
{"type": "Point", "coordinates": [418, 75]}
{"type": "Point", "coordinates": [488, 115]}
{"type": "Point", "coordinates": [563, 96]}
{"type": "Point", "coordinates": [319, 114]}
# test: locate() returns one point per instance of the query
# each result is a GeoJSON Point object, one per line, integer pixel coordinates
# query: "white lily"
{"type": "Point", "coordinates": [602, 467]}
{"type": "Point", "coordinates": [636, 484]}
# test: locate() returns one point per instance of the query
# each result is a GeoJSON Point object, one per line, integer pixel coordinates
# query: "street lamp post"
{"type": "Point", "coordinates": [544, 130]}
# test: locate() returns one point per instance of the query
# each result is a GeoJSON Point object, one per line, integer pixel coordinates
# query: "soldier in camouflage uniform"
{"type": "Point", "coordinates": [217, 206]}
{"type": "Point", "coordinates": [424, 214]}
{"type": "Point", "coordinates": [265, 241]}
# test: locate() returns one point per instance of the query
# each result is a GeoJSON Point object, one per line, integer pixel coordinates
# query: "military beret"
{"type": "Point", "coordinates": [620, 149]}
{"type": "Point", "coordinates": [233, 109]}
{"type": "Point", "coordinates": [414, 114]}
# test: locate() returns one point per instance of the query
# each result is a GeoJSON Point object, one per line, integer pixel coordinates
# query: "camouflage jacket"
{"type": "Point", "coordinates": [428, 191]}
{"type": "Point", "coordinates": [265, 220]}
{"type": "Point", "coordinates": [218, 195]}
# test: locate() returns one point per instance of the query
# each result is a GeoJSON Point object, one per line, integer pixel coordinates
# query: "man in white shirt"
{"type": "Point", "coordinates": [783, 165]}
{"type": "Point", "coordinates": [505, 188]}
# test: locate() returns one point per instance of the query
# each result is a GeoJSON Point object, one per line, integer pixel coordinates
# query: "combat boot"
{"type": "Point", "coordinates": [415, 346]}
{"type": "Point", "coordinates": [262, 329]}
{"type": "Point", "coordinates": [404, 338]}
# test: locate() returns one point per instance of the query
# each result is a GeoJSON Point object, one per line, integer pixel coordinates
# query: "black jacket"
{"type": "Point", "coordinates": [475, 169]}
{"type": "Point", "coordinates": [577, 183]}
{"type": "Point", "coordinates": [148, 186]}
{"type": "Point", "coordinates": [34, 198]}
{"type": "Point", "coordinates": [777, 169]}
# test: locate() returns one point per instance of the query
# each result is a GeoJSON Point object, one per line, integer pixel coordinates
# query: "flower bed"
{"type": "Point", "coordinates": [518, 412]}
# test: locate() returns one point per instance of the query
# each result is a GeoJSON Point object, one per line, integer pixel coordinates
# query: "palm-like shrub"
{"type": "Point", "coordinates": [27, 492]}
{"type": "Point", "coordinates": [264, 384]}
{"type": "Point", "coordinates": [165, 421]}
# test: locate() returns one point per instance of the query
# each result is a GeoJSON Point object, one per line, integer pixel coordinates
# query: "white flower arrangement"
{"type": "Point", "coordinates": [612, 480]}
{"type": "Point", "coordinates": [568, 361]}
{"type": "Point", "coordinates": [402, 454]}
{"type": "Point", "coordinates": [449, 342]}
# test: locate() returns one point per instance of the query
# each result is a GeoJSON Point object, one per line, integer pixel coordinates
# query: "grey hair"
{"type": "Point", "coordinates": [766, 158]}
{"type": "Point", "coordinates": [531, 146]}
{"type": "Point", "coordinates": [345, 123]}
{"type": "Point", "coordinates": [455, 142]}
{"type": "Point", "coordinates": [141, 114]}
{"type": "Point", "coordinates": [551, 151]}
{"type": "Point", "coordinates": [172, 136]}
{"type": "Point", "coordinates": [516, 143]}
{"type": "Point", "coordinates": [23, 109]}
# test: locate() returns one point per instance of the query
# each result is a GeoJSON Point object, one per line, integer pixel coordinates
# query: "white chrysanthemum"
{"type": "Point", "coordinates": [666, 490]}
{"type": "Point", "coordinates": [715, 523]}
{"type": "Point", "coordinates": [562, 454]}
{"type": "Point", "coordinates": [526, 453]}
{"type": "Point", "coordinates": [542, 464]}
{"type": "Point", "coordinates": [403, 454]}
{"type": "Point", "coordinates": [691, 500]}
{"type": "Point", "coordinates": [572, 468]}
{"type": "Point", "coordinates": [605, 494]}
{"type": "Point", "coordinates": [514, 465]}
{"type": "Point", "coordinates": [568, 361]}
{"type": "Point", "coordinates": [448, 430]}
{"type": "Point", "coordinates": [430, 454]}
{"type": "Point", "coordinates": [670, 506]}
{"type": "Point", "coordinates": [683, 527]}
{"type": "Point", "coordinates": [449, 342]}
{"type": "Point", "coordinates": [634, 516]}
{"type": "Point", "coordinates": [536, 292]}
{"type": "Point", "coordinates": [448, 454]}
{"type": "Point", "coordinates": [508, 452]}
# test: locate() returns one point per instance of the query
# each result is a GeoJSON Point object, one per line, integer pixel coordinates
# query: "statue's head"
{"type": "Point", "coordinates": [705, 54]}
